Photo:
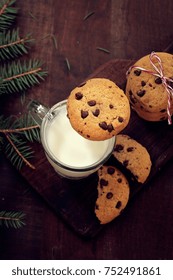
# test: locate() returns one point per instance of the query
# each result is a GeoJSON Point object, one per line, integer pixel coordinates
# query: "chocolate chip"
{"type": "Point", "coordinates": [162, 118]}
{"type": "Point", "coordinates": [143, 83]}
{"type": "Point", "coordinates": [96, 112]}
{"type": "Point", "coordinates": [109, 195]}
{"type": "Point", "coordinates": [84, 114]}
{"type": "Point", "coordinates": [88, 136]}
{"type": "Point", "coordinates": [130, 149]}
{"type": "Point", "coordinates": [158, 80]}
{"type": "Point", "coordinates": [97, 207]}
{"type": "Point", "coordinates": [111, 106]}
{"type": "Point", "coordinates": [110, 127]}
{"type": "Point", "coordinates": [120, 119]}
{"type": "Point", "coordinates": [141, 93]}
{"type": "Point", "coordinates": [132, 98]}
{"type": "Point", "coordinates": [136, 176]}
{"type": "Point", "coordinates": [163, 110]}
{"type": "Point", "coordinates": [118, 205]}
{"type": "Point", "coordinates": [119, 180]}
{"type": "Point", "coordinates": [137, 72]}
{"type": "Point", "coordinates": [103, 125]}
{"type": "Point", "coordinates": [78, 96]}
{"type": "Point", "coordinates": [125, 163]}
{"type": "Point", "coordinates": [103, 182]}
{"type": "Point", "coordinates": [111, 170]}
{"type": "Point", "coordinates": [118, 148]}
{"type": "Point", "coordinates": [92, 103]}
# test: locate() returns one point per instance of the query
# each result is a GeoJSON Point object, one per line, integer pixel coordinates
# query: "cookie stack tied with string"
{"type": "Point", "coordinates": [149, 86]}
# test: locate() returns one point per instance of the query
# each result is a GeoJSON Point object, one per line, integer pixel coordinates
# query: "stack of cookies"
{"type": "Point", "coordinates": [146, 92]}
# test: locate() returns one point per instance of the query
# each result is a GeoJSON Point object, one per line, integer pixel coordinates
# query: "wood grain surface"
{"type": "Point", "coordinates": [63, 195]}
{"type": "Point", "coordinates": [128, 29]}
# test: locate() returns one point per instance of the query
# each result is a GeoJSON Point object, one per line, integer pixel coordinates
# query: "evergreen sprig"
{"type": "Point", "coordinates": [7, 14]}
{"type": "Point", "coordinates": [18, 151]}
{"type": "Point", "coordinates": [12, 219]}
{"type": "Point", "coordinates": [12, 45]}
{"type": "Point", "coordinates": [18, 77]}
{"type": "Point", "coordinates": [16, 134]}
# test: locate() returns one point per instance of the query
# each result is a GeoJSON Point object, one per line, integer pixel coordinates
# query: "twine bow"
{"type": "Point", "coordinates": [160, 74]}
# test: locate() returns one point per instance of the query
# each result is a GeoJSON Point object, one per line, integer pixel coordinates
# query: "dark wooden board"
{"type": "Point", "coordinates": [75, 200]}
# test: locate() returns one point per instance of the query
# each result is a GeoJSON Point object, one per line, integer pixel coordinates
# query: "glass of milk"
{"type": "Point", "coordinates": [71, 155]}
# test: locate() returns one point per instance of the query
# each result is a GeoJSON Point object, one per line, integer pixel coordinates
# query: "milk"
{"type": "Point", "coordinates": [70, 148]}
{"type": "Point", "coordinates": [70, 154]}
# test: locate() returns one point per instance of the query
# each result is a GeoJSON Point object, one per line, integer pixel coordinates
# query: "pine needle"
{"type": "Point", "coordinates": [7, 14]}
{"type": "Point", "coordinates": [68, 64]}
{"type": "Point", "coordinates": [12, 219]}
{"type": "Point", "coordinates": [16, 134]}
{"type": "Point", "coordinates": [54, 40]}
{"type": "Point", "coordinates": [17, 77]}
{"type": "Point", "coordinates": [103, 50]}
{"type": "Point", "coordinates": [33, 17]}
{"type": "Point", "coordinates": [88, 15]}
{"type": "Point", "coordinates": [12, 46]}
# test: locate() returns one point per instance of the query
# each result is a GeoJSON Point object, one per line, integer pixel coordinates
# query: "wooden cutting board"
{"type": "Point", "coordinates": [74, 201]}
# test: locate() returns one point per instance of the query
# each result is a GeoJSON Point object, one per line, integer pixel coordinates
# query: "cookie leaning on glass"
{"type": "Point", "coordinates": [149, 86]}
{"type": "Point", "coordinates": [98, 109]}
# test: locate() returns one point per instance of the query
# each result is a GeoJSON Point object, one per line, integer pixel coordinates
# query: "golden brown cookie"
{"type": "Point", "coordinates": [113, 194]}
{"type": "Point", "coordinates": [133, 156]}
{"type": "Point", "coordinates": [98, 109]}
{"type": "Point", "coordinates": [146, 92]}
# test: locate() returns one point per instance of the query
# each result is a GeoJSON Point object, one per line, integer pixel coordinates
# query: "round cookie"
{"type": "Point", "coordinates": [146, 91]}
{"type": "Point", "coordinates": [98, 109]}
{"type": "Point", "coordinates": [149, 116]}
{"type": "Point", "coordinates": [133, 156]}
{"type": "Point", "coordinates": [143, 111]}
{"type": "Point", "coordinates": [113, 194]}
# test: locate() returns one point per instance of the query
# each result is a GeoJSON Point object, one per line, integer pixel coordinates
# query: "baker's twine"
{"type": "Point", "coordinates": [160, 74]}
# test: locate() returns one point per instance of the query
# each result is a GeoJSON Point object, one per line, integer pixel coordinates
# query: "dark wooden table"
{"type": "Point", "coordinates": [129, 30]}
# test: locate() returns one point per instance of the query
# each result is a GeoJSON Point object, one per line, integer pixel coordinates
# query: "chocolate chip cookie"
{"type": "Point", "coordinates": [98, 109]}
{"type": "Point", "coordinates": [133, 156]}
{"type": "Point", "coordinates": [146, 92]}
{"type": "Point", "coordinates": [113, 194]}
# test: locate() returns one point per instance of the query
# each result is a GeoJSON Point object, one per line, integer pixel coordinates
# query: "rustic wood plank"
{"type": "Point", "coordinates": [129, 29]}
{"type": "Point", "coordinates": [66, 195]}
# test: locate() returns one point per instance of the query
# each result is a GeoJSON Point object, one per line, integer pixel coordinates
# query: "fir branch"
{"type": "Point", "coordinates": [15, 146]}
{"type": "Point", "coordinates": [7, 14]}
{"type": "Point", "coordinates": [26, 127]}
{"type": "Point", "coordinates": [17, 77]}
{"type": "Point", "coordinates": [12, 219]}
{"type": "Point", "coordinates": [12, 46]}
{"type": "Point", "coordinates": [17, 151]}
